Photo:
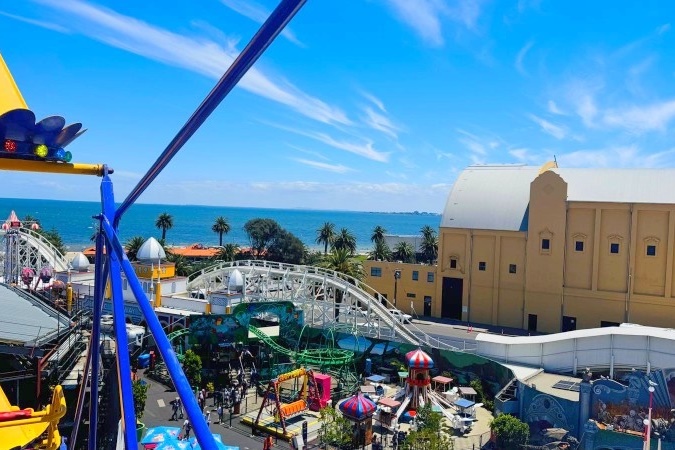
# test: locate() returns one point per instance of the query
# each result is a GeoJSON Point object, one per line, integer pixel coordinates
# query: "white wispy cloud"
{"type": "Point", "coordinates": [195, 54]}
{"type": "Point", "coordinates": [308, 152]}
{"type": "Point", "coordinates": [521, 56]}
{"type": "Point", "coordinates": [39, 23]}
{"type": "Point", "coordinates": [259, 14]}
{"type": "Point", "coordinates": [425, 16]}
{"type": "Point", "coordinates": [554, 109]}
{"type": "Point", "coordinates": [374, 100]}
{"type": "Point", "coordinates": [364, 147]}
{"type": "Point", "coordinates": [641, 119]}
{"type": "Point", "coordinates": [336, 168]}
{"type": "Point", "coordinates": [380, 122]}
{"type": "Point", "coordinates": [554, 130]}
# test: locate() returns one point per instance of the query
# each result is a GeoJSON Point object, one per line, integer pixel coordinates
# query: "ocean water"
{"type": "Point", "coordinates": [192, 224]}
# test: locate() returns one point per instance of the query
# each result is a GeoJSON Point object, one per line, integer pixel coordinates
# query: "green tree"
{"type": "Point", "coordinates": [227, 252]}
{"type": "Point", "coordinates": [341, 261]}
{"type": "Point", "coordinates": [427, 440]}
{"type": "Point", "coordinates": [260, 233]}
{"type": "Point", "coordinates": [378, 234]}
{"type": "Point", "coordinates": [221, 226]}
{"type": "Point", "coordinates": [326, 236]}
{"type": "Point", "coordinates": [429, 245]}
{"type": "Point", "coordinates": [404, 252]}
{"type": "Point", "coordinates": [511, 433]}
{"type": "Point", "coordinates": [164, 222]}
{"type": "Point", "coordinates": [380, 252]}
{"type": "Point", "coordinates": [132, 246]}
{"type": "Point", "coordinates": [54, 238]}
{"type": "Point", "coordinates": [286, 248]}
{"type": "Point", "coordinates": [335, 429]}
{"type": "Point", "coordinates": [428, 419]}
{"type": "Point", "coordinates": [182, 265]}
{"type": "Point", "coordinates": [345, 240]}
{"type": "Point", "coordinates": [192, 366]}
{"type": "Point", "coordinates": [139, 390]}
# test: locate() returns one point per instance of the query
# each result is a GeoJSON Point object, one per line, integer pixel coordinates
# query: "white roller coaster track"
{"type": "Point", "coordinates": [26, 248]}
{"type": "Point", "coordinates": [327, 298]}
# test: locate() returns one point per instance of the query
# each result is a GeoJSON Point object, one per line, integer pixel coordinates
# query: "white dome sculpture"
{"type": "Point", "coordinates": [236, 281]}
{"type": "Point", "coordinates": [150, 251]}
{"type": "Point", "coordinates": [80, 263]}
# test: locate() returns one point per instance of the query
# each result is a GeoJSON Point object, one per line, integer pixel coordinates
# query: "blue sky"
{"type": "Point", "coordinates": [371, 105]}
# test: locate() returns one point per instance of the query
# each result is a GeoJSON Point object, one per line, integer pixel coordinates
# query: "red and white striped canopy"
{"type": "Point", "coordinates": [358, 407]}
{"type": "Point", "coordinates": [417, 359]}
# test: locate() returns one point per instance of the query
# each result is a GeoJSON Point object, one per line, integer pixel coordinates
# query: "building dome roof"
{"type": "Point", "coordinates": [417, 359]}
{"type": "Point", "coordinates": [80, 262]}
{"type": "Point", "coordinates": [151, 250]}
{"type": "Point", "coordinates": [358, 407]}
{"type": "Point", "coordinates": [236, 281]}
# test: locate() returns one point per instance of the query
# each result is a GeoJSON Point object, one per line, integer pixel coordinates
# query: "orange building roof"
{"type": "Point", "coordinates": [195, 251]}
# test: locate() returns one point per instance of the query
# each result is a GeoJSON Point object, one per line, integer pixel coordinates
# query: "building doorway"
{"type": "Point", "coordinates": [427, 305]}
{"type": "Point", "coordinates": [569, 323]}
{"type": "Point", "coordinates": [531, 322]}
{"type": "Point", "coordinates": [451, 306]}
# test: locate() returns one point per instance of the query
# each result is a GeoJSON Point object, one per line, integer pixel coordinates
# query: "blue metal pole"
{"type": "Point", "coordinates": [274, 24]}
{"type": "Point", "coordinates": [121, 342]}
{"type": "Point", "coordinates": [202, 432]}
{"type": "Point", "coordinates": [100, 276]}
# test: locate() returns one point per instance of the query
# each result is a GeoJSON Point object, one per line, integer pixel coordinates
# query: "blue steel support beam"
{"type": "Point", "coordinates": [202, 432]}
{"type": "Point", "coordinates": [100, 277]}
{"type": "Point", "coordinates": [274, 24]}
{"type": "Point", "coordinates": [121, 341]}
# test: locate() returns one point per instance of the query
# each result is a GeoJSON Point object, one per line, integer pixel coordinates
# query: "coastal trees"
{"type": "Point", "coordinates": [164, 222]}
{"type": "Point", "coordinates": [326, 236]}
{"type": "Point", "coordinates": [404, 252]}
{"type": "Point", "coordinates": [221, 226]}
{"type": "Point", "coordinates": [345, 240]}
{"type": "Point", "coordinates": [340, 260]}
{"type": "Point", "coordinates": [380, 252]}
{"type": "Point", "coordinates": [286, 248]}
{"type": "Point", "coordinates": [132, 246]}
{"type": "Point", "coordinates": [429, 244]}
{"type": "Point", "coordinates": [227, 252]}
{"type": "Point", "coordinates": [260, 234]}
{"type": "Point", "coordinates": [378, 234]}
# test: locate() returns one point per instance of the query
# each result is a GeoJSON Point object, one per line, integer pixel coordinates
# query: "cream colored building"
{"type": "Point", "coordinates": [554, 249]}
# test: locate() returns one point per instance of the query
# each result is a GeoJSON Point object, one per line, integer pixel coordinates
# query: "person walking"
{"type": "Point", "coordinates": [268, 443]}
{"type": "Point", "coordinates": [220, 414]}
{"type": "Point", "coordinates": [187, 427]}
{"type": "Point", "coordinates": [200, 400]}
{"type": "Point", "coordinates": [180, 407]}
{"type": "Point", "coordinates": [207, 418]}
{"type": "Point", "coordinates": [174, 410]}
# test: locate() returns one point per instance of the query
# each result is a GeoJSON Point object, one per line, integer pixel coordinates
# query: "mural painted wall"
{"type": "Point", "coordinates": [547, 411]}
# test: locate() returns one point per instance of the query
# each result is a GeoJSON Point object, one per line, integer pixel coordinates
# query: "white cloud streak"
{"type": "Point", "coordinates": [198, 55]}
{"type": "Point", "coordinates": [259, 14]}
{"type": "Point", "coordinates": [641, 119]}
{"type": "Point", "coordinates": [380, 122]}
{"type": "Point", "coordinates": [554, 109]}
{"type": "Point", "coordinates": [39, 23]}
{"type": "Point", "coordinates": [554, 130]}
{"type": "Point", "coordinates": [521, 56]}
{"type": "Point", "coordinates": [336, 168]}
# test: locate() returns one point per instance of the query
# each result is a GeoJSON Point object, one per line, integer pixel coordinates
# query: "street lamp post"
{"type": "Point", "coordinates": [397, 275]}
{"type": "Point", "coordinates": [648, 420]}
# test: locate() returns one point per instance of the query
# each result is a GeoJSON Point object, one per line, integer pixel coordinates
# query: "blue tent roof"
{"type": "Point", "coordinates": [464, 403]}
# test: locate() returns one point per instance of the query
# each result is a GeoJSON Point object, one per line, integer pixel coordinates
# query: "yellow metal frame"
{"type": "Point", "coordinates": [27, 165]}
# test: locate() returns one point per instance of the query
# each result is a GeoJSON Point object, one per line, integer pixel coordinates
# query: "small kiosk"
{"type": "Point", "coordinates": [359, 410]}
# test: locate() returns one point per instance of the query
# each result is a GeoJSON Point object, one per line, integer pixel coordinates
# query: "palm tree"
{"type": "Point", "coordinates": [345, 240]}
{"type": "Point", "coordinates": [404, 251]}
{"type": "Point", "coordinates": [164, 222]}
{"type": "Point", "coordinates": [221, 226]}
{"type": "Point", "coordinates": [340, 261]}
{"type": "Point", "coordinates": [381, 252]}
{"type": "Point", "coordinates": [429, 245]}
{"type": "Point", "coordinates": [181, 264]}
{"type": "Point", "coordinates": [378, 234]}
{"type": "Point", "coordinates": [227, 252]}
{"type": "Point", "coordinates": [326, 236]}
{"type": "Point", "coordinates": [132, 246]}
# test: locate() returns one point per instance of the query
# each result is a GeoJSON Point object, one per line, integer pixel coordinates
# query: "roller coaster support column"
{"type": "Point", "coordinates": [204, 436]}
{"type": "Point", "coordinates": [100, 277]}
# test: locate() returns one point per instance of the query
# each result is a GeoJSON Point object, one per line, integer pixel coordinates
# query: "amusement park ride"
{"type": "Point", "coordinates": [40, 147]}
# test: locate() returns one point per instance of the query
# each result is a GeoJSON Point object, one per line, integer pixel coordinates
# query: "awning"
{"type": "Point", "coordinates": [442, 380]}
{"type": "Point", "coordinates": [390, 402]}
{"type": "Point", "coordinates": [464, 403]}
{"type": "Point", "coordinates": [370, 390]}
{"type": "Point", "coordinates": [465, 390]}
{"type": "Point", "coordinates": [375, 378]}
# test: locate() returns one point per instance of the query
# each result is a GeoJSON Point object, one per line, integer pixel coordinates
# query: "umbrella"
{"type": "Point", "coordinates": [156, 435]}
{"type": "Point", "coordinates": [194, 445]}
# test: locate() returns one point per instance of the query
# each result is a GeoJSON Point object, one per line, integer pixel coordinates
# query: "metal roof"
{"type": "Point", "coordinates": [26, 320]}
{"type": "Point", "coordinates": [619, 185]}
{"type": "Point", "coordinates": [490, 197]}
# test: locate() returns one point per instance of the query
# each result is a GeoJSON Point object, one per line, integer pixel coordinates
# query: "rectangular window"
{"type": "Point", "coordinates": [605, 323]}
{"type": "Point", "coordinates": [579, 246]}
{"type": "Point", "coordinates": [651, 250]}
{"type": "Point", "coordinates": [430, 277]}
{"type": "Point", "coordinates": [375, 271]}
{"type": "Point", "coordinates": [411, 295]}
{"type": "Point", "coordinates": [512, 268]}
{"type": "Point", "coordinates": [614, 247]}
{"type": "Point", "coordinates": [482, 265]}
{"type": "Point", "coordinates": [532, 322]}
{"type": "Point", "coordinates": [453, 263]}
{"type": "Point", "coordinates": [545, 244]}
{"type": "Point", "coordinates": [415, 275]}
